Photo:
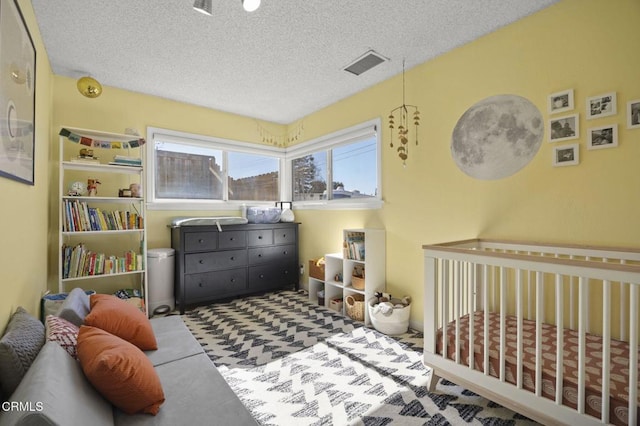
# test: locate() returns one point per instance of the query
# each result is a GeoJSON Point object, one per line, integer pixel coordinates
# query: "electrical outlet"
{"type": "Point", "coordinates": [301, 269]}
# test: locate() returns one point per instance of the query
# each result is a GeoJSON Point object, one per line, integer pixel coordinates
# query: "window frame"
{"type": "Point", "coordinates": [285, 156]}
{"type": "Point", "coordinates": [327, 143]}
{"type": "Point", "coordinates": [155, 134]}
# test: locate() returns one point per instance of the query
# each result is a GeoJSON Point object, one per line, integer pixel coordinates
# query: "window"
{"type": "Point", "coordinates": [348, 159]}
{"type": "Point", "coordinates": [195, 172]}
{"type": "Point", "coordinates": [197, 169]}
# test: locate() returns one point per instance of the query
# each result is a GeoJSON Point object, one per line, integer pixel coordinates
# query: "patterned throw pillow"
{"type": "Point", "coordinates": [19, 347]}
{"type": "Point", "coordinates": [64, 333]}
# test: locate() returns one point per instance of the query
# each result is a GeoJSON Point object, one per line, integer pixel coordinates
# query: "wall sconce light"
{"type": "Point", "coordinates": [203, 6]}
{"type": "Point", "coordinates": [250, 5]}
{"type": "Point", "coordinates": [89, 87]}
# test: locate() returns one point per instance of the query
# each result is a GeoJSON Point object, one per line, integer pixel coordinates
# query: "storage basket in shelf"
{"type": "Point", "coordinates": [316, 269]}
{"type": "Point", "coordinates": [357, 278]}
{"type": "Point", "coordinates": [355, 306]}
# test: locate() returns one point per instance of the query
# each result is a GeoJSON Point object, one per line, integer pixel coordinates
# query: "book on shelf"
{"type": "Point", "coordinates": [353, 246]}
{"type": "Point", "coordinates": [78, 261]}
{"type": "Point", "coordinates": [78, 217]}
{"type": "Point", "coordinates": [123, 160]}
{"type": "Point", "coordinates": [85, 160]}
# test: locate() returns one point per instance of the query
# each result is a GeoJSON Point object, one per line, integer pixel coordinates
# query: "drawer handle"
{"type": "Point", "coordinates": [286, 272]}
{"type": "Point", "coordinates": [231, 239]}
{"type": "Point", "coordinates": [285, 252]}
{"type": "Point", "coordinates": [201, 261]}
{"type": "Point", "coordinates": [200, 285]}
{"type": "Point", "coordinates": [232, 258]}
{"type": "Point", "coordinates": [201, 241]}
{"type": "Point", "coordinates": [284, 235]}
{"type": "Point", "coordinates": [261, 275]}
{"type": "Point", "coordinates": [259, 237]}
{"type": "Point", "coordinates": [260, 255]}
{"type": "Point", "coordinates": [233, 280]}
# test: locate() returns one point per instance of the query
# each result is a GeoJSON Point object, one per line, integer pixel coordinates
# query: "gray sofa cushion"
{"type": "Point", "coordinates": [75, 307]}
{"type": "Point", "coordinates": [57, 393]}
{"type": "Point", "coordinates": [19, 346]}
{"type": "Point", "coordinates": [175, 341]}
{"type": "Point", "coordinates": [195, 394]}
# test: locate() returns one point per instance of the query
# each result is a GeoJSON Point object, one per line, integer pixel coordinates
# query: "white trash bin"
{"type": "Point", "coordinates": [160, 266]}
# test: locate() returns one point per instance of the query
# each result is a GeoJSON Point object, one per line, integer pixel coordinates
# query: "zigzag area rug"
{"type": "Point", "coordinates": [294, 363]}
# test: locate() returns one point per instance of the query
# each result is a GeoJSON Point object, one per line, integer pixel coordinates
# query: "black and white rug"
{"type": "Point", "coordinates": [295, 363]}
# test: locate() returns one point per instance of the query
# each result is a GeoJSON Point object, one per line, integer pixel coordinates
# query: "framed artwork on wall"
{"type": "Point", "coordinates": [564, 128]}
{"type": "Point", "coordinates": [17, 95]}
{"type": "Point", "coordinates": [601, 106]}
{"type": "Point", "coordinates": [633, 114]}
{"type": "Point", "coordinates": [560, 101]}
{"type": "Point", "coordinates": [566, 155]}
{"type": "Point", "coordinates": [603, 137]}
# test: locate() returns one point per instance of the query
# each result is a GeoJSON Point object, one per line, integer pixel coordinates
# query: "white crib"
{"type": "Point", "coordinates": [533, 298]}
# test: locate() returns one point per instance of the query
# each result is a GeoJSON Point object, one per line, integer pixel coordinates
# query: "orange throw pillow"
{"type": "Point", "coordinates": [121, 372]}
{"type": "Point", "coordinates": [122, 319]}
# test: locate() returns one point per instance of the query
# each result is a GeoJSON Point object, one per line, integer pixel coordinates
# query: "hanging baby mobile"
{"type": "Point", "coordinates": [95, 143]}
{"type": "Point", "coordinates": [404, 117]}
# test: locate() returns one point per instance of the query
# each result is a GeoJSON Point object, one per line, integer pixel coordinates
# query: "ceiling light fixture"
{"type": "Point", "coordinates": [89, 87]}
{"type": "Point", "coordinates": [403, 124]}
{"type": "Point", "coordinates": [203, 6]}
{"type": "Point", "coordinates": [250, 5]}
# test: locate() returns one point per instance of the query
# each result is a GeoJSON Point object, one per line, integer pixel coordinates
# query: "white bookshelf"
{"type": "Point", "coordinates": [110, 242]}
{"type": "Point", "coordinates": [339, 268]}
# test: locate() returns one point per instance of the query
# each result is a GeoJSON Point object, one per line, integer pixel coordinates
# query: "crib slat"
{"type": "Point", "coordinates": [519, 328]}
{"type": "Point", "coordinates": [582, 326]}
{"type": "Point", "coordinates": [634, 318]}
{"type": "Point", "coordinates": [445, 307]}
{"type": "Point", "coordinates": [503, 327]}
{"type": "Point", "coordinates": [623, 308]}
{"type": "Point", "coordinates": [539, 312]}
{"type": "Point", "coordinates": [559, 338]}
{"type": "Point", "coordinates": [572, 302]}
{"type": "Point", "coordinates": [456, 307]}
{"type": "Point", "coordinates": [606, 349]}
{"type": "Point", "coordinates": [485, 297]}
{"type": "Point", "coordinates": [471, 311]}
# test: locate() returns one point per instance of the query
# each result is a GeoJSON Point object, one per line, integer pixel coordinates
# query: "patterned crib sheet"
{"type": "Point", "coordinates": [619, 371]}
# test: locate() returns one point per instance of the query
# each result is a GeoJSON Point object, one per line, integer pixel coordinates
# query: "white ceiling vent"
{"type": "Point", "coordinates": [365, 62]}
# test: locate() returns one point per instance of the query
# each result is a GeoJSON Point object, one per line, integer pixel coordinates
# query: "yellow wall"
{"type": "Point", "coordinates": [587, 45]}
{"type": "Point", "coordinates": [23, 217]}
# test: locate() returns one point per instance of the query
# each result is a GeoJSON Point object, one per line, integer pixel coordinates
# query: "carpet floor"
{"type": "Point", "coordinates": [294, 363]}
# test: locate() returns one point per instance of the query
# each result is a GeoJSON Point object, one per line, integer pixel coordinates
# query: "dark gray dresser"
{"type": "Point", "coordinates": [239, 260]}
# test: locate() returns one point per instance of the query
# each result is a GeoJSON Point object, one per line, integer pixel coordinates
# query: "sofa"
{"type": "Point", "coordinates": [56, 391]}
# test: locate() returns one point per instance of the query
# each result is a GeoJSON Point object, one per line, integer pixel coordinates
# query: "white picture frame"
{"type": "Point", "coordinates": [564, 128]}
{"type": "Point", "coordinates": [633, 114]}
{"type": "Point", "coordinates": [602, 105]}
{"type": "Point", "coordinates": [602, 137]}
{"type": "Point", "coordinates": [560, 102]}
{"type": "Point", "coordinates": [566, 155]}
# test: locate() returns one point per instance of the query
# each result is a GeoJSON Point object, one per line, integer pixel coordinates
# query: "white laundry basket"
{"type": "Point", "coordinates": [392, 323]}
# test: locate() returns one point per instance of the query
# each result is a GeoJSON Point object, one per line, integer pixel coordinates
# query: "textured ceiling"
{"type": "Point", "coordinates": [279, 63]}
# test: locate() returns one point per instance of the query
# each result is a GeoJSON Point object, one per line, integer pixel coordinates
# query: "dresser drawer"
{"type": "Point", "coordinates": [265, 277]}
{"type": "Point", "coordinates": [215, 285]}
{"type": "Point", "coordinates": [277, 254]}
{"type": "Point", "coordinates": [284, 236]}
{"type": "Point", "coordinates": [213, 261]}
{"type": "Point", "coordinates": [200, 241]}
{"type": "Point", "coordinates": [232, 239]}
{"type": "Point", "coordinates": [260, 237]}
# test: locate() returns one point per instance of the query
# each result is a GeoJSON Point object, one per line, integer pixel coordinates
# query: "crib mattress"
{"type": "Point", "coordinates": [619, 372]}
